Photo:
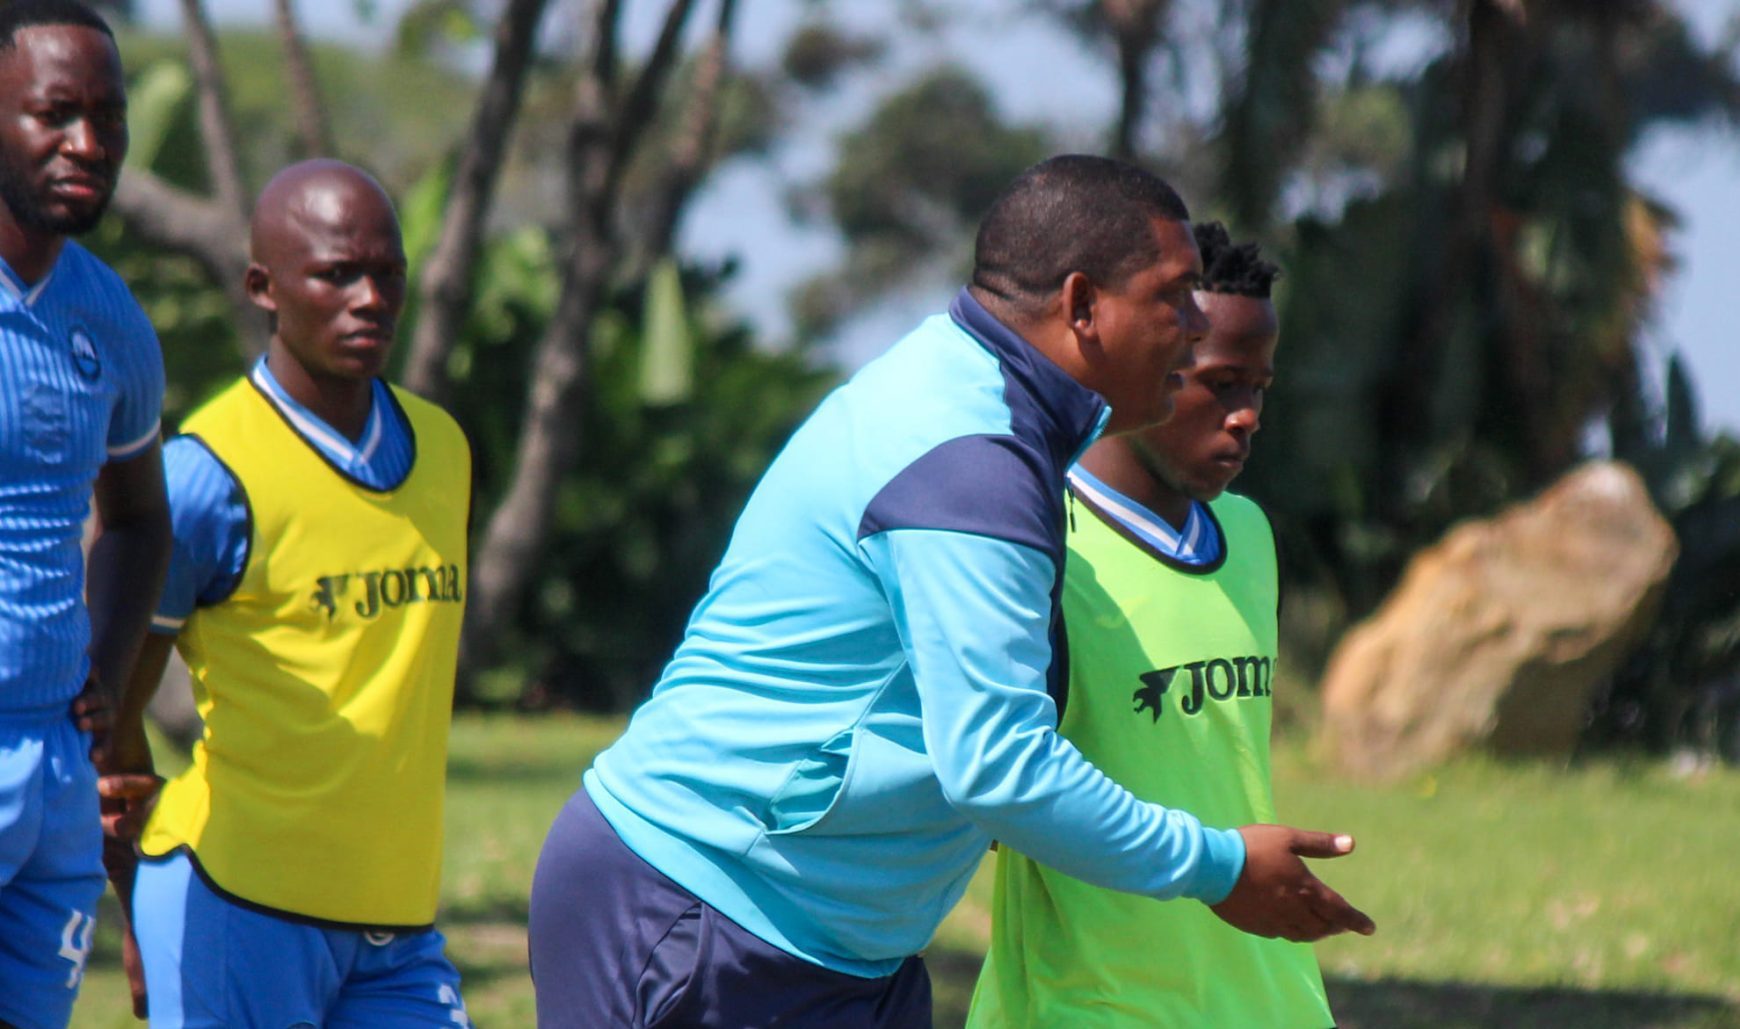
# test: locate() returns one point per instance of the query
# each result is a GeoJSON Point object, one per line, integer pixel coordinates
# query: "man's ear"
{"type": "Point", "coordinates": [1077, 300]}
{"type": "Point", "coordinates": [258, 283]}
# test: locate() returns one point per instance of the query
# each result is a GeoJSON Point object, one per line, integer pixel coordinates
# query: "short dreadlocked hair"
{"type": "Point", "coordinates": [1227, 268]}
{"type": "Point", "coordinates": [24, 14]}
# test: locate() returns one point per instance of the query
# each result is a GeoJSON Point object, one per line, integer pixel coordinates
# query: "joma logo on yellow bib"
{"type": "Point", "coordinates": [387, 588]}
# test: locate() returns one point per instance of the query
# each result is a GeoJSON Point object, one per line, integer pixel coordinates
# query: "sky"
{"type": "Point", "coordinates": [742, 211]}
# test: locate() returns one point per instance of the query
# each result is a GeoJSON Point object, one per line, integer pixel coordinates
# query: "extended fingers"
{"type": "Point", "coordinates": [1337, 913]}
{"type": "Point", "coordinates": [125, 824]}
{"type": "Point", "coordinates": [128, 785]}
{"type": "Point", "coordinates": [126, 800]}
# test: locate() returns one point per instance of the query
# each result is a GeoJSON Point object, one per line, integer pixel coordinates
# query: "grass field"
{"type": "Point", "coordinates": [1514, 896]}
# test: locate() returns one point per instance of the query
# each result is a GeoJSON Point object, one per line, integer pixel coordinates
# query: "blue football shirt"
{"type": "Point", "coordinates": [81, 384]}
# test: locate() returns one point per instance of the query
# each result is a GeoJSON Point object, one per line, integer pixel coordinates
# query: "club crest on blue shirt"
{"type": "Point", "coordinates": [84, 353]}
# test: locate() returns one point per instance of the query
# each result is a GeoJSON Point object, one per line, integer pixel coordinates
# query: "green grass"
{"type": "Point", "coordinates": [1597, 897]}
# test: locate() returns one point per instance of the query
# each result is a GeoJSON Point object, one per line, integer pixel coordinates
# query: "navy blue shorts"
{"type": "Point", "coordinates": [614, 942]}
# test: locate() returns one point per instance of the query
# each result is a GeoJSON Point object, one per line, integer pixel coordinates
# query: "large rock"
{"type": "Point", "coordinates": [1498, 635]}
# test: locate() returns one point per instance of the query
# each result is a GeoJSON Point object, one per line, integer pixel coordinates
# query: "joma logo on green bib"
{"type": "Point", "coordinates": [1217, 679]}
{"type": "Point", "coordinates": [387, 588]}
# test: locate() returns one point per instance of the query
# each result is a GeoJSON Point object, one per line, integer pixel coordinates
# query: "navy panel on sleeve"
{"type": "Point", "coordinates": [991, 485]}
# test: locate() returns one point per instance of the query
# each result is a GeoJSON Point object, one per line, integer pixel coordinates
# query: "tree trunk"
{"type": "Point", "coordinates": [311, 124]}
{"type": "Point", "coordinates": [602, 137]}
{"type": "Point", "coordinates": [1135, 28]}
{"type": "Point", "coordinates": [214, 121]}
{"type": "Point", "coordinates": [692, 153]}
{"type": "Point", "coordinates": [199, 228]}
{"type": "Point", "coordinates": [211, 230]}
{"type": "Point", "coordinates": [444, 288]}
{"type": "Point", "coordinates": [1405, 408]}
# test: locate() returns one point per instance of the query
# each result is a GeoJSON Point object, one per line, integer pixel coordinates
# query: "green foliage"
{"type": "Point", "coordinates": [1682, 687]}
{"type": "Point", "coordinates": [927, 163]}
{"type": "Point", "coordinates": [909, 186]}
{"type": "Point", "coordinates": [1271, 112]}
{"type": "Point", "coordinates": [819, 54]}
{"type": "Point", "coordinates": [667, 372]}
{"type": "Point", "coordinates": [666, 462]}
{"type": "Point", "coordinates": [683, 413]}
{"type": "Point", "coordinates": [659, 483]}
{"type": "Point", "coordinates": [393, 114]}
{"type": "Point", "coordinates": [156, 99]}
{"type": "Point", "coordinates": [1461, 314]}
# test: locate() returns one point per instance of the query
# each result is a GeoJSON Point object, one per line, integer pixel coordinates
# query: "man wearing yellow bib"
{"type": "Point", "coordinates": [1170, 598]}
{"type": "Point", "coordinates": [290, 875]}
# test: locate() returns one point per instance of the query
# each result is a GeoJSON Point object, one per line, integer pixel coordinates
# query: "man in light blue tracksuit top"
{"type": "Point", "coordinates": [867, 695]}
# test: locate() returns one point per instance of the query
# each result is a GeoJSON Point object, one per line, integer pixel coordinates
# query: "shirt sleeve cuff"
{"type": "Point", "coordinates": [1223, 861]}
{"type": "Point", "coordinates": [167, 625]}
{"type": "Point", "coordinates": [123, 451]}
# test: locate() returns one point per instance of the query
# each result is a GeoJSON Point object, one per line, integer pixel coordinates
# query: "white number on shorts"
{"type": "Point", "coordinates": [75, 945]}
{"type": "Point", "coordinates": [455, 1007]}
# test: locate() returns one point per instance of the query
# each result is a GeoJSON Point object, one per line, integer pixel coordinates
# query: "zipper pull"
{"type": "Point", "coordinates": [1070, 490]}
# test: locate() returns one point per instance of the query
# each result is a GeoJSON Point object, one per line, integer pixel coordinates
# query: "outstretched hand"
{"type": "Point", "coordinates": [1276, 895]}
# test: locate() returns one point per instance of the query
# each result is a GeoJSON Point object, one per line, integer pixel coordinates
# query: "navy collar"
{"type": "Point", "coordinates": [1067, 415]}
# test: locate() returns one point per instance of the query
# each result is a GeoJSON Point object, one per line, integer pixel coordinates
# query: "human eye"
{"type": "Point", "coordinates": [53, 114]}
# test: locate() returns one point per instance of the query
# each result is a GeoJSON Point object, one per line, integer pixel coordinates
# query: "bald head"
{"type": "Point", "coordinates": [329, 267]}
{"type": "Point", "coordinates": [316, 198]}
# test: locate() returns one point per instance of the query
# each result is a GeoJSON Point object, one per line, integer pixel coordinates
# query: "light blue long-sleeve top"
{"type": "Point", "coordinates": [864, 698]}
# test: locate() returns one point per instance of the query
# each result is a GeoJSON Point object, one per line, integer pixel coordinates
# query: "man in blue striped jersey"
{"type": "Point", "coordinates": [81, 384]}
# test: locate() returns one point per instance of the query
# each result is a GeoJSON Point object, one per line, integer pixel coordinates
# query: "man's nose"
{"type": "Point", "coordinates": [82, 141]}
{"type": "Point", "coordinates": [369, 294]}
{"type": "Point", "coordinates": [1196, 324]}
{"type": "Point", "coordinates": [1245, 418]}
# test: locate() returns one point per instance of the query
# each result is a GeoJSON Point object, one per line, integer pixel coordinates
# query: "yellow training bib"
{"type": "Point", "coordinates": [326, 678]}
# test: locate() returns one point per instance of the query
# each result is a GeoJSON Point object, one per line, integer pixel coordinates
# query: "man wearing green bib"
{"type": "Point", "coordinates": [1170, 598]}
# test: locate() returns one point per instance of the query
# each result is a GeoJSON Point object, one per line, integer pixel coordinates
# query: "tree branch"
{"type": "Point", "coordinates": [214, 122]}
{"type": "Point", "coordinates": [601, 140]}
{"type": "Point", "coordinates": [692, 151]}
{"type": "Point", "coordinates": [312, 128]}
{"type": "Point", "coordinates": [200, 228]}
{"type": "Point", "coordinates": [444, 285]}
{"type": "Point", "coordinates": [642, 102]}
{"type": "Point", "coordinates": [1135, 27]}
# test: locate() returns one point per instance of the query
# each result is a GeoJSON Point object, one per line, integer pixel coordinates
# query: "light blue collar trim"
{"type": "Point", "coordinates": [1196, 543]}
{"type": "Point", "coordinates": [13, 286]}
{"type": "Point", "coordinates": [315, 430]}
